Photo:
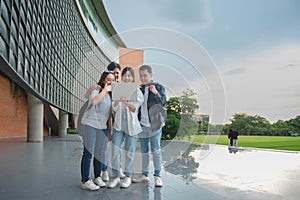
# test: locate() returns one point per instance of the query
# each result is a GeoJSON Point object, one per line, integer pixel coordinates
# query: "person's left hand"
{"type": "Point", "coordinates": [96, 87]}
{"type": "Point", "coordinates": [123, 99]}
{"type": "Point", "coordinates": [110, 135]}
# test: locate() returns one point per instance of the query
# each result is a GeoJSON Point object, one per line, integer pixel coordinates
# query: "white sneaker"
{"type": "Point", "coordinates": [89, 185]}
{"type": "Point", "coordinates": [126, 182]}
{"type": "Point", "coordinates": [99, 182]}
{"type": "Point", "coordinates": [122, 175]}
{"type": "Point", "coordinates": [158, 181]}
{"type": "Point", "coordinates": [113, 183]}
{"type": "Point", "coordinates": [105, 176]}
{"type": "Point", "coordinates": [142, 178]}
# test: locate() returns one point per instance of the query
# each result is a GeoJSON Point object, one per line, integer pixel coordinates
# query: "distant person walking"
{"type": "Point", "coordinates": [230, 137]}
{"type": "Point", "coordinates": [234, 136]}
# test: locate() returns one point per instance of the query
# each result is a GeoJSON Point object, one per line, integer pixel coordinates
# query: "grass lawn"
{"type": "Point", "coordinates": [266, 142]}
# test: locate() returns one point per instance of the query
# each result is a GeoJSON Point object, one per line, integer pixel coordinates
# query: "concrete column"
{"type": "Point", "coordinates": [75, 120]}
{"type": "Point", "coordinates": [63, 124]}
{"type": "Point", "coordinates": [35, 119]}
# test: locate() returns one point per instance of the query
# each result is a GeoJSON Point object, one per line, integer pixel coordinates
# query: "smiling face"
{"type": "Point", "coordinates": [145, 77]}
{"type": "Point", "coordinates": [127, 77]}
{"type": "Point", "coordinates": [109, 79]}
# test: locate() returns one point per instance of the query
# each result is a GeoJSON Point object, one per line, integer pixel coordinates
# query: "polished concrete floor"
{"type": "Point", "coordinates": [51, 170]}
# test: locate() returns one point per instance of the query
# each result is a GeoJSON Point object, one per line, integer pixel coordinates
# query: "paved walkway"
{"type": "Point", "coordinates": [51, 170]}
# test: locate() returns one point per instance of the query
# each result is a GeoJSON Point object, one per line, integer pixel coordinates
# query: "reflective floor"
{"type": "Point", "coordinates": [51, 170]}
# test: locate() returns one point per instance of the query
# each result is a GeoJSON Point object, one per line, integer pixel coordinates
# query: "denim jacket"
{"type": "Point", "coordinates": [156, 106]}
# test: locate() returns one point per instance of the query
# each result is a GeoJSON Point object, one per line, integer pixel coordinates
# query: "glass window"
{"type": "Point", "coordinates": [12, 59]}
{"type": "Point", "coordinates": [3, 47]}
{"type": "Point", "coordinates": [13, 45]}
{"type": "Point", "coordinates": [22, 29]}
{"type": "Point", "coordinates": [13, 29]}
{"type": "Point", "coordinates": [15, 14]}
{"type": "Point", "coordinates": [5, 12]}
{"type": "Point", "coordinates": [21, 43]}
{"type": "Point", "coordinates": [22, 14]}
{"type": "Point", "coordinates": [4, 29]}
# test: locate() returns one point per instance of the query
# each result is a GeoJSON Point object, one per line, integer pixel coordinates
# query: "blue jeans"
{"type": "Point", "coordinates": [153, 142]}
{"type": "Point", "coordinates": [130, 143]}
{"type": "Point", "coordinates": [95, 143]}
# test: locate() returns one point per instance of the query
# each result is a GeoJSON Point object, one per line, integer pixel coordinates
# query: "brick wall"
{"type": "Point", "coordinates": [13, 111]}
{"type": "Point", "coordinates": [133, 58]}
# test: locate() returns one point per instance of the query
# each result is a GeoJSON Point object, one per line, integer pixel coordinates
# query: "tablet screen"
{"type": "Point", "coordinates": [127, 90]}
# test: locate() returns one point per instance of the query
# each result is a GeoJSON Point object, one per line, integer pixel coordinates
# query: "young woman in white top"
{"type": "Point", "coordinates": [126, 127]}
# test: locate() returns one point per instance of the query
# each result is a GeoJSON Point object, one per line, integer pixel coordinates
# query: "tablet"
{"type": "Point", "coordinates": [127, 90]}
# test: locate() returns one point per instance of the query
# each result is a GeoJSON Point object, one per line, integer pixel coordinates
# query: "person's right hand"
{"type": "Point", "coordinates": [107, 87]}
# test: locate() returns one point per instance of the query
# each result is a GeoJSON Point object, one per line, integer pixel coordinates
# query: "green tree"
{"type": "Point", "coordinates": [173, 107]}
{"type": "Point", "coordinates": [295, 124]}
{"type": "Point", "coordinates": [257, 125]}
{"type": "Point", "coordinates": [249, 125]}
{"type": "Point", "coordinates": [280, 128]}
{"type": "Point", "coordinates": [188, 104]}
{"type": "Point", "coordinates": [171, 127]}
{"type": "Point", "coordinates": [180, 111]}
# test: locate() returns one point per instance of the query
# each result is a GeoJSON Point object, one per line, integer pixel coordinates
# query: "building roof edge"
{"type": "Point", "coordinates": [101, 11]}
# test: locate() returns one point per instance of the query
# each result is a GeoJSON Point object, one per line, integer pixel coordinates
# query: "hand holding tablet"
{"type": "Point", "coordinates": [127, 91]}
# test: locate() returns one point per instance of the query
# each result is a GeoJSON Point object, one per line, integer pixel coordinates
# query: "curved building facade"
{"type": "Point", "coordinates": [52, 49]}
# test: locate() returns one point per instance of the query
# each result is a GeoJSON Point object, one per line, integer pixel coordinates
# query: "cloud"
{"type": "Point", "coordinates": [188, 14]}
{"type": "Point", "coordinates": [235, 71]}
{"type": "Point", "coordinates": [269, 86]}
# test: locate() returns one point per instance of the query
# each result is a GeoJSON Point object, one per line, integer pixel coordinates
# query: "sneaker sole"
{"type": "Point", "coordinates": [140, 181]}
{"type": "Point", "coordinates": [111, 187]}
{"type": "Point", "coordinates": [101, 186]}
{"type": "Point", "coordinates": [124, 186]}
{"type": "Point", "coordinates": [89, 189]}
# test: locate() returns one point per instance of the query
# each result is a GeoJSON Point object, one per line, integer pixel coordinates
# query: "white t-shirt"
{"type": "Point", "coordinates": [144, 111]}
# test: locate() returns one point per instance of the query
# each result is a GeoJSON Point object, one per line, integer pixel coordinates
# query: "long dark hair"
{"type": "Point", "coordinates": [103, 77]}
{"type": "Point", "coordinates": [128, 69]}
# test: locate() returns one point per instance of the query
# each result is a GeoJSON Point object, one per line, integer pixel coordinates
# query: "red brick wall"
{"type": "Point", "coordinates": [133, 58]}
{"type": "Point", "coordinates": [13, 111]}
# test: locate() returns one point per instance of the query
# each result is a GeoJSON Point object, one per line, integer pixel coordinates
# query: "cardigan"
{"type": "Point", "coordinates": [133, 123]}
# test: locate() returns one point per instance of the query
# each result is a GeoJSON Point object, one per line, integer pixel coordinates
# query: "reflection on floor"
{"type": "Point", "coordinates": [51, 170]}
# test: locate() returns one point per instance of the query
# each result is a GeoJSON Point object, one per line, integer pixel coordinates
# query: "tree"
{"type": "Point", "coordinates": [295, 124]}
{"type": "Point", "coordinates": [188, 104]}
{"type": "Point", "coordinates": [180, 111]}
{"type": "Point", "coordinates": [280, 128]}
{"type": "Point", "coordinates": [171, 127]}
{"type": "Point", "coordinates": [249, 125]}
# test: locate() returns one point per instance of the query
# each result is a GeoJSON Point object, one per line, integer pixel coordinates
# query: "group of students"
{"type": "Point", "coordinates": [102, 120]}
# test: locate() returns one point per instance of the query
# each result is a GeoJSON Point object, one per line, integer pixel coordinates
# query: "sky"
{"type": "Point", "coordinates": [239, 56]}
